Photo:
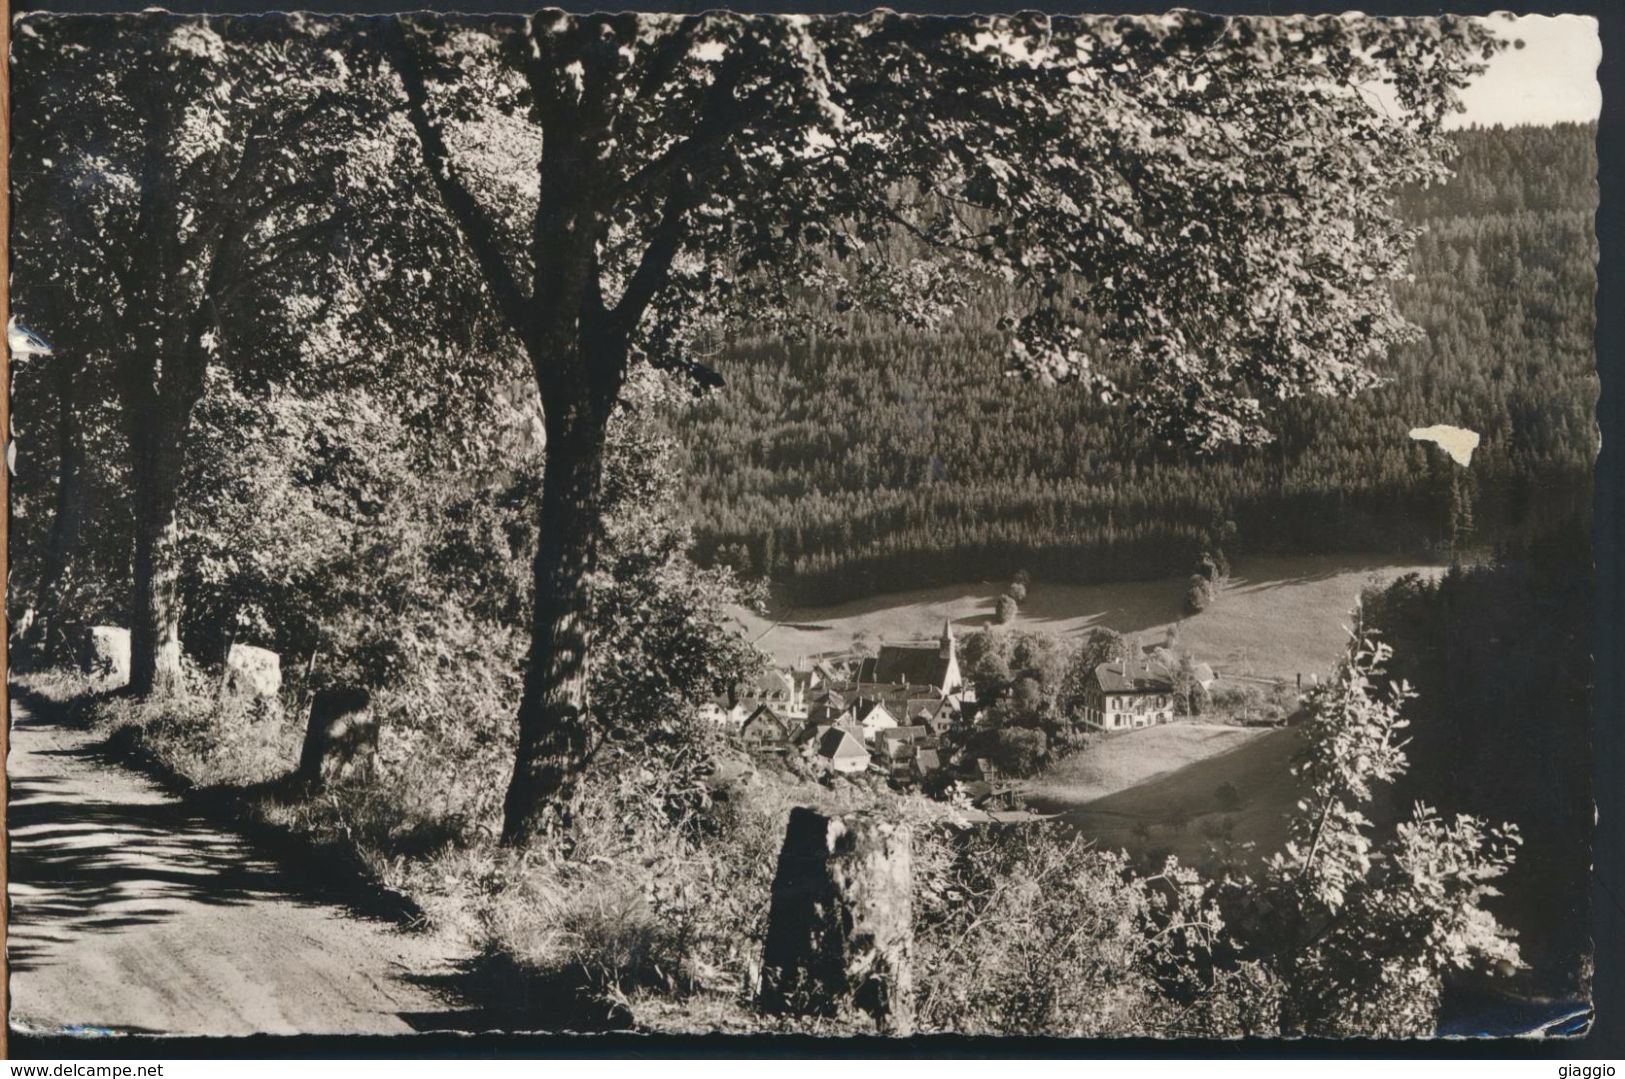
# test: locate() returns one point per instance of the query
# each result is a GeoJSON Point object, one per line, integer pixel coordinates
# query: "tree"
{"type": "Point", "coordinates": [1029, 698]}
{"type": "Point", "coordinates": [706, 170]}
{"type": "Point", "coordinates": [210, 227]}
{"type": "Point", "coordinates": [1459, 511]}
{"type": "Point", "coordinates": [1188, 691]}
{"type": "Point", "coordinates": [1005, 610]}
{"type": "Point", "coordinates": [1103, 645]}
{"type": "Point", "coordinates": [1364, 931]}
{"type": "Point", "coordinates": [985, 659]}
{"type": "Point", "coordinates": [1018, 751]}
{"type": "Point", "coordinates": [1198, 594]}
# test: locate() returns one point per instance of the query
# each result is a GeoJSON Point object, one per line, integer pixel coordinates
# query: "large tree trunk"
{"type": "Point", "coordinates": [554, 727]}
{"type": "Point", "coordinates": [579, 354]}
{"type": "Point", "coordinates": [155, 604]}
{"type": "Point", "coordinates": [579, 350]}
{"type": "Point", "coordinates": [156, 424]}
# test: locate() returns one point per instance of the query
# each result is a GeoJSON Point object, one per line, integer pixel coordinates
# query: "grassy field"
{"type": "Point", "coordinates": [1155, 791]}
{"type": "Point", "coordinates": [1276, 618]}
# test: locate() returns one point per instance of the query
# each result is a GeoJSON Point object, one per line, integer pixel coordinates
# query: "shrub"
{"type": "Point", "coordinates": [1023, 932]}
{"type": "Point", "coordinates": [1005, 610]}
{"type": "Point", "coordinates": [1019, 751]}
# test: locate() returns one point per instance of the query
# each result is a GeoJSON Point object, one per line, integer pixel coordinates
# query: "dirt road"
{"type": "Point", "coordinates": [131, 913]}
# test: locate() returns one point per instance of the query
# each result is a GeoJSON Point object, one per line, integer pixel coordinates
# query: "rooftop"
{"type": "Point", "coordinates": [1131, 677]}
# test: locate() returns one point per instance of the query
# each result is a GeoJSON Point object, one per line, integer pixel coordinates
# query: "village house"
{"type": "Point", "coordinates": [941, 714]}
{"type": "Point", "coordinates": [803, 683]}
{"type": "Point", "coordinates": [714, 710]}
{"type": "Point", "coordinates": [1166, 661]}
{"type": "Point", "coordinates": [829, 671]}
{"type": "Point", "coordinates": [826, 703]}
{"type": "Point", "coordinates": [1125, 695]}
{"type": "Point", "coordinates": [781, 690]}
{"type": "Point", "coordinates": [840, 751]}
{"type": "Point", "coordinates": [871, 717]}
{"type": "Point", "coordinates": [896, 748]}
{"type": "Point", "coordinates": [729, 710]}
{"type": "Point", "coordinates": [765, 731]}
{"type": "Point", "coordinates": [807, 738]}
{"type": "Point", "coordinates": [741, 709]}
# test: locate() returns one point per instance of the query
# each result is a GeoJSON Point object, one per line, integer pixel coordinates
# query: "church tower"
{"type": "Point", "coordinates": [947, 654]}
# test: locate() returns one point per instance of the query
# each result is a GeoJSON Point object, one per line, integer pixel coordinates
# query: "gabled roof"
{"type": "Point", "coordinates": [912, 735]}
{"type": "Point", "coordinates": [915, 665]}
{"type": "Point", "coordinates": [838, 744]}
{"type": "Point", "coordinates": [765, 714]}
{"type": "Point", "coordinates": [811, 733]}
{"type": "Point", "coordinates": [865, 709]}
{"type": "Point", "coordinates": [826, 693]}
{"type": "Point", "coordinates": [773, 680]}
{"type": "Point", "coordinates": [914, 706]}
{"type": "Point", "coordinates": [927, 760]}
{"type": "Point", "coordinates": [1165, 661]}
{"type": "Point", "coordinates": [1131, 678]}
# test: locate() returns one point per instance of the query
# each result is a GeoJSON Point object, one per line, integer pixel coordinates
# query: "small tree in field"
{"type": "Point", "coordinates": [1216, 191]}
{"type": "Point", "coordinates": [1005, 610]}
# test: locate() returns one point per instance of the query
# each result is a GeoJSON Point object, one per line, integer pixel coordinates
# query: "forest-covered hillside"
{"type": "Point", "coordinates": [892, 458]}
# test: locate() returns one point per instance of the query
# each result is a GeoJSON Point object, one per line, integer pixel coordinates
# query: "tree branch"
{"type": "Point", "coordinates": [654, 267]}
{"type": "Point", "coordinates": [465, 212]}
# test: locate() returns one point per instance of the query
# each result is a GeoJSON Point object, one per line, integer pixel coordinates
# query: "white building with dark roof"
{"type": "Point", "coordinates": [1127, 694]}
{"type": "Point", "coordinates": [841, 751]}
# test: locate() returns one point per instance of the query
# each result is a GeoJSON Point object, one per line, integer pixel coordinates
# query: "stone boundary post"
{"type": "Point", "coordinates": [840, 936]}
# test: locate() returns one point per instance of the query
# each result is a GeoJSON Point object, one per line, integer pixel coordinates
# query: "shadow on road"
{"type": "Point", "coordinates": [506, 999]}
{"type": "Point", "coordinates": [81, 864]}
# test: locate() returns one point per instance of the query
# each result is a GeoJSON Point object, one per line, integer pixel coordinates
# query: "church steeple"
{"type": "Point", "coordinates": [948, 642]}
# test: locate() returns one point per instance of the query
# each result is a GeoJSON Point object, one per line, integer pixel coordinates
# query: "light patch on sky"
{"type": "Point", "coordinates": [1553, 78]}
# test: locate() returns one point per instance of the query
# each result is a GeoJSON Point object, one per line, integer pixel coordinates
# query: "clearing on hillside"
{"type": "Point", "coordinates": [1163, 790]}
{"type": "Point", "coordinates": [1275, 618]}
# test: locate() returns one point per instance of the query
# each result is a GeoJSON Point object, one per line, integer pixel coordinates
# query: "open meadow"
{"type": "Point", "coordinates": [1204, 792]}
{"type": "Point", "coordinates": [1277, 617]}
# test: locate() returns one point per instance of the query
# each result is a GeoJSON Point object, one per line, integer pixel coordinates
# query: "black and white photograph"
{"type": "Point", "coordinates": [1043, 524]}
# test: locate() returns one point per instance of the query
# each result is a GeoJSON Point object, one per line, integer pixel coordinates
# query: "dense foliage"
{"type": "Point", "coordinates": [836, 464]}
{"type": "Point", "coordinates": [1500, 658]}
